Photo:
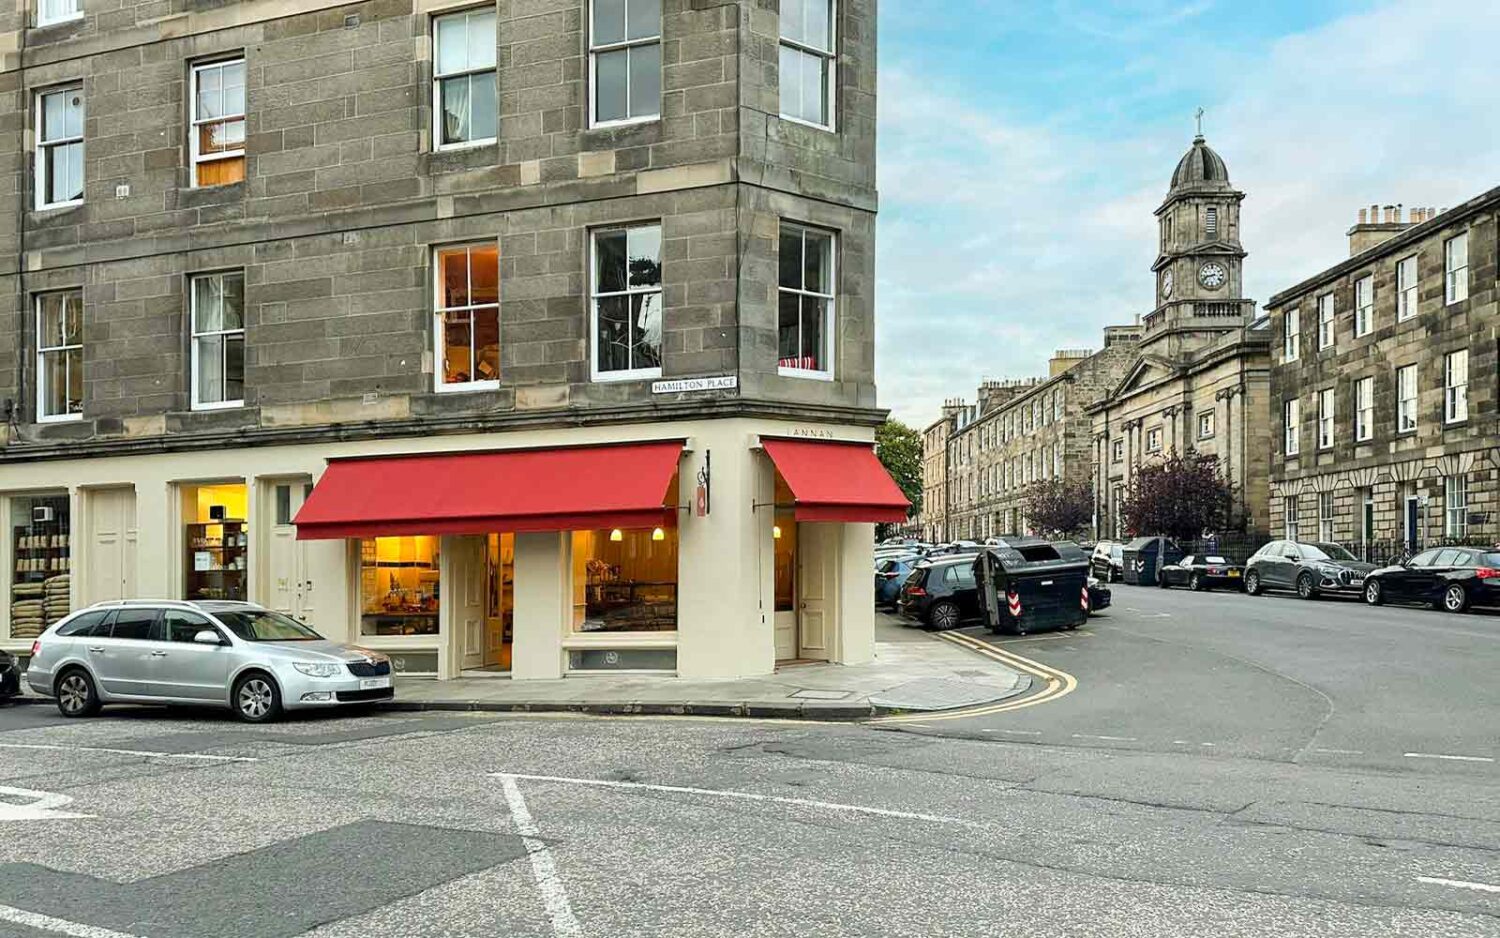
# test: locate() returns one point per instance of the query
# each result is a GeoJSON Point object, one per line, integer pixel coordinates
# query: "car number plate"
{"type": "Point", "coordinates": [1234, 573]}
{"type": "Point", "coordinates": [374, 683]}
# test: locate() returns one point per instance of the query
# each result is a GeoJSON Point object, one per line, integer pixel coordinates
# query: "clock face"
{"type": "Point", "coordinates": [1212, 275]}
{"type": "Point", "coordinates": [1166, 284]}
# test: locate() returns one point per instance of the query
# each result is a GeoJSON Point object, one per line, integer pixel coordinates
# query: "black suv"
{"type": "Point", "coordinates": [1309, 568]}
{"type": "Point", "coordinates": [1108, 561]}
{"type": "Point", "coordinates": [941, 592]}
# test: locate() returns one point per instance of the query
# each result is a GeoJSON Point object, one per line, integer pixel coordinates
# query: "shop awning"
{"type": "Point", "coordinates": [837, 481]}
{"type": "Point", "coordinates": [566, 489]}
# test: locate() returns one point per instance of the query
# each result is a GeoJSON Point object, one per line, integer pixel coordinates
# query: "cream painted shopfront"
{"type": "Point", "coordinates": [702, 548]}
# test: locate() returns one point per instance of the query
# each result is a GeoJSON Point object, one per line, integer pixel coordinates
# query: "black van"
{"type": "Point", "coordinates": [1028, 584]}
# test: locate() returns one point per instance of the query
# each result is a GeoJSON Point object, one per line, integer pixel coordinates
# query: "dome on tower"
{"type": "Point", "coordinates": [1200, 166]}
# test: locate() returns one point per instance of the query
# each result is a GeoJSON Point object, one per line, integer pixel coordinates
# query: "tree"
{"type": "Point", "coordinates": [1180, 497]}
{"type": "Point", "coordinates": [1059, 508]}
{"type": "Point", "coordinates": [899, 449]}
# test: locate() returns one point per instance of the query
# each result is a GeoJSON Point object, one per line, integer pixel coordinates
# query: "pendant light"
{"type": "Point", "coordinates": [617, 535]}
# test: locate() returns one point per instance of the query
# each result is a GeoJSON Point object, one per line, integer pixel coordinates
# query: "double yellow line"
{"type": "Point", "coordinates": [1055, 683]}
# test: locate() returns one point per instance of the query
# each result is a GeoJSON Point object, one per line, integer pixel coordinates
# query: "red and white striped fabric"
{"type": "Point", "coordinates": [805, 363]}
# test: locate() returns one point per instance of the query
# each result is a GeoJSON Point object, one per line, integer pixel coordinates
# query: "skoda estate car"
{"type": "Point", "coordinates": [220, 654]}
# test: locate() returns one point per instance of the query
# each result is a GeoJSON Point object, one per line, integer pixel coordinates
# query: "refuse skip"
{"type": "Point", "coordinates": [1030, 584]}
{"type": "Point", "coordinates": [1145, 556]}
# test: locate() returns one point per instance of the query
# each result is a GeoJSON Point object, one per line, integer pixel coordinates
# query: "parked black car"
{"type": "Point", "coordinates": [1099, 596]}
{"type": "Point", "coordinates": [1107, 562]}
{"type": "Point", "coordinates": [941, 592]}
{"type": "Point", "coordinates": [1451, 578]}
{"type": "Point", "coordinates": [1202, 572]}
{"type": "Point", "coordinates": [1310, 568]}
{"type": "Point", "coordinates": [10, 675]}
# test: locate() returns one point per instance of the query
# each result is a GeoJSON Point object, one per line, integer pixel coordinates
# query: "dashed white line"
{"type": "Point", "coordinates": [56, 925]}
{"type": "Point", "coordinates": [1113, 739]}
{"type": "Point", "coordinates": [1020, 732]}
{"type": "Point", "coordinates": [1437, 755]}
{"type": "Point", "coordinates": [742, 795]}
{"type": "Point", "coordinates": [1342, 752]}
{"type": "Point", "coordinates": [1458, 883]}
{"type": "Point", "coordinates": [131, 752]}
{"type": "Point", "coordinates": [554, 896]}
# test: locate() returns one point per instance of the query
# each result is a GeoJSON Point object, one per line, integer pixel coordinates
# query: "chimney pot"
{"type": "Point", "coordinates": [1362, 216]}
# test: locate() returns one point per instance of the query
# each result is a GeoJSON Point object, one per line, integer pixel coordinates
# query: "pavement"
{"type": "Point", "coordinates": [913, 671]}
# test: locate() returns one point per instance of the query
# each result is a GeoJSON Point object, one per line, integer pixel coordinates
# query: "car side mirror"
{"type": "Point", "coordinates": [1294, 557]}
{"type": "Point", "coordinates": [207, 637]}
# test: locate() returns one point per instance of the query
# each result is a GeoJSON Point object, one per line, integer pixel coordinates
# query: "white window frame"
{"type": "Point", "coordinates": [1456, 509]}
{"type": "Point", "coordinates": [1117, 451]}
{"type": "Point", "coordinates": [1153, 440]}
{"type": "Point", "coordinates": [1292, 339]}
{"type": "Point", "coordinates": [437, 81]}
{"type": "Point", "coordinates": [1292, 415]}
{"type": "Point", "coordinates": [830, 316]}
{"type": "Point", "coordinates": [42, 146]}
{"type": "Point", "coordinates": [1325, 516]}
{"type": "Point", "coordinates": [1406, 288]}
{"type": "Point", "coordinates": [1364, 305]}
{"type": "Point", "coordinates": [1325, 418]}
{"type": "Point", "coordinates": [43, 350]}
{"type": "Point", "coordinates": [1289, 517]}
{"type": "Point", "coordinates": [1403, 402]}
{"type": "Point", "coordinates": [1364, 409]}
{"type": "Point", "coordinates": [1326, 322]}
{"type": "Point", "coordinates": [597, 50]}
{"type": "Point", "coordinates": [196, 159]}
{"type": "Point", "coordinates": [1206, 425]}
{"type": "Point", "coordinates": [829, 55]}
{"type": "Point", "coordinates": [439, 323]}
{"type": "Point", "coordinates": [627, 374]}
{"type": "Point", "coordinates": [1456, 269]}
{"type": "Point", "coordinates": [1456, 386]}
{"type": "Point", "coordinates": [194, 335]}
{"type": "Point", "coordinates": [42, 19]}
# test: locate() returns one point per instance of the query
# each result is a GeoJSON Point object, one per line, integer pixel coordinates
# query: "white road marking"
{"type": "Point", "coordinates": [554, 896]}
{"type": "Point", "coordinates": [1022, 732]}
{"type": "Point", "coordinates": [1458, 883]}
{"type": "Point", "coordinates": [1113, 739]}
{"type": "Point", "coordinates": [924, 726]}
{"type": "Point", "coordinates": [742, 795]}
{"type": "Point", "coordinates": [56, 925]}
{"type": "Point", "coordinates": [1342, 752]}
{"type": "Point", "coordinates": [132, 752]}
{"type": "Point", "coordinates": [1434, 755]}
{"type": "Point", "coordinates": [39, 806]}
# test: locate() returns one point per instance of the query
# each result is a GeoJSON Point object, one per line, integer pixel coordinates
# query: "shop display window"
{"type": "Point", "coordinates": [41, 581]}
{"type": "Point", "coordinates": [784, 538]}
{"type": "Point", "coordinates": [398, 585]}
{"type": "Point", "coordinates": [625, 581]}
{"type": "Point", "coordinates": [217, 539]}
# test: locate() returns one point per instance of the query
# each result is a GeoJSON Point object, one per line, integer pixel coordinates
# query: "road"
{"type": "Point", "coordinates": [1219, 765]}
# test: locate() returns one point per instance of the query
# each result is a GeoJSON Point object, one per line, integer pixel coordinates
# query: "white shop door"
{"type": "Point", "coordinates": [816, 563]}
{"type": "Point", "coordinates": [288, 587]}
{"type": "Point", "coordinates": [111, 543]}
{"type": "Point", "coordinates": [468, 568]}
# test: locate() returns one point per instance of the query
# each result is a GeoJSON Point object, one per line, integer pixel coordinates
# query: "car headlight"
{"type": "Point", "coordinates": [317, 670]}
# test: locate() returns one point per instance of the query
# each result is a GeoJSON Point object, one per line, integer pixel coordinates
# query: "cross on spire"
{"type": "Point", "coordinates": [1198, 115]}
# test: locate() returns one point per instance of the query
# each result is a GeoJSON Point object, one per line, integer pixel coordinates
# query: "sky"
{"type": "Point", "coordinates": [1024, 145]}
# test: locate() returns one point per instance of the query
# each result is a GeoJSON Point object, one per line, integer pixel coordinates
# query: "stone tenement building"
{"type": "Point", "coordinates": [528, 335]}
{"type": "Point", "coordinates": [1385, 413]}
{"type": "Point", "coordinates": [934, 517]}
{"type": "Point", "coordinates": [1201, 379]}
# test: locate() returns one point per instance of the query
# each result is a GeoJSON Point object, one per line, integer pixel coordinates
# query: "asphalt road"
{"type": "Point", "coordinates": [1220, 766]}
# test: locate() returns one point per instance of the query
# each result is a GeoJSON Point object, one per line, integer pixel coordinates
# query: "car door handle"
{"type": "Point", "coordinates": [97, 649]}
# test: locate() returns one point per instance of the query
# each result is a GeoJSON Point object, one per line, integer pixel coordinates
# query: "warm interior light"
{"type": "Point", "coordinates": [617, 535]}
{"type": "Point", "coordinates": [658, 534]}
{"type": "Point", "coordinates": [776, 531]}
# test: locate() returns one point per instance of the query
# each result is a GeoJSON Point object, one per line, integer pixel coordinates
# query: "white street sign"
{"type": "Point", "coordinates": [678, 385]}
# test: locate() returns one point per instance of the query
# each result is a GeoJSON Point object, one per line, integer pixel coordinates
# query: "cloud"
{"type": "Point", "coordinates": [1004, 237]}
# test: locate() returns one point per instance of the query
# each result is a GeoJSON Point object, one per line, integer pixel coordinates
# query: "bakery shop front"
{"type": "Point", "coordinates": [717, 554]}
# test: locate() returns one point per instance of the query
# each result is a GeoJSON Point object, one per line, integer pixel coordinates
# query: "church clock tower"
{"type": "Point", "coordinates": [1200, 260]}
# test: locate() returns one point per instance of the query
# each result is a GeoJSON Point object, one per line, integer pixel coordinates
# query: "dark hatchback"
{"type": "Point", "coordinates": [1307, 568]}
{"type": "Point", "coordinates": [10, 675]}
{"type": "Point", "coordinates": [1451, 578]}
{"type": "Point", "coordinates": [941, 593]}
{"type": "Point", "coordinates": [1202, 572]}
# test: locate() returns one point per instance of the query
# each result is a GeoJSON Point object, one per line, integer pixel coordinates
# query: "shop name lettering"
{"type": "Point", "coordinates": [812, 433]}
{"type": "Point", "coordinates": [678, 385]}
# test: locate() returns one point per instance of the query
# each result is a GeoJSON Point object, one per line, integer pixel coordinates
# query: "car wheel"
{"type": "Point", "coordinates": [1252, 583]}
{"type": "Point", "coordinates": [1306, 588]}
{"type": "Point", "coordinates": [944, 616]}
{"type": "Point", "coordinates": [1373, 595]}
{"type": "Point", "coordinates": [76, 694]}
{"type": "Point", "coordinates": [256, 698]}
{"type": "Point", "coordinates": [1161, 580]}
{"type": "Point", "coordinates": [1196, 583]}
{"type": "Point", "coordinates": [1455, 598]}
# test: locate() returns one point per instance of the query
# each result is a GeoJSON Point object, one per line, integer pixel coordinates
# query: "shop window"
{"type": "Point", "coordinates": [217, 139]}
{"type": "Point", "coordinates": [41, 582]}
{"type": "Point", "coordinates": [805, 302]}
{"type": "Point", "coordinates": [468, 317]}
{"type": "Point", "coordinates": [464, 108]}
{"type": "Point", "coordinates": [784, 538]}
{"type": "Point", "coordinates": [625, 580]}
{"type": "Point", "coordinates": [218, 542]}
{"type": "Point", "coordinates": [398, 585]}
{"type": "Point", "coordinates": [59, 356]}
{"type": "Point", "coordinates": [218, 354]}
{"type": "Point", "coordinates": [627, 302]}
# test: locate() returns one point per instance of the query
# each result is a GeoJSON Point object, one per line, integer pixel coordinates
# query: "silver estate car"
{"type": "Point", "coordinates": [223, 654]}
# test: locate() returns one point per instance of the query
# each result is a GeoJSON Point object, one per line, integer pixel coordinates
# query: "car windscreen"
{"type": "Point", "coordinates": [1322, 551]}
{"type": "Point", "coordinates": [263, 625]}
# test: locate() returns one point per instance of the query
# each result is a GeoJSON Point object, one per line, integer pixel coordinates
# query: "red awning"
{"type": "Point", "coordinates": [568, 489]}
{"type": "Point", "coordinates": [837, 481]}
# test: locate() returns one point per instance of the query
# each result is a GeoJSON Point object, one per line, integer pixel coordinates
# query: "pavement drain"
{"type": "Point", "coordinates": [809, 694]}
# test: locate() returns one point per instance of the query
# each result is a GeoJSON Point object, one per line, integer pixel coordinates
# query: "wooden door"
{"type": "Point", "coordinates": [111, 544]}
{"type": "Point", "coordinates": [467, 567]}
{"type": "Point", "coordinates": [817, 561]}
{"type": "Point", "coordinates": [287, 588]}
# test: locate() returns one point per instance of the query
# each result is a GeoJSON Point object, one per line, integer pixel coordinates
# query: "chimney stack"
{"type": "Point", "coordinates": [1380, 222]}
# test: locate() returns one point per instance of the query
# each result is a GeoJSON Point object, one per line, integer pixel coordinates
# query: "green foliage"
{"type": "Point", "coordinates": [1059, 508]}
{"type": "Point", "coordinates": [899, 449]}
{"type": "Point", "coordinates": [1181, 497]}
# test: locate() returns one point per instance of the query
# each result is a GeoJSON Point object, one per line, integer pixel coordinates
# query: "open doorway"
{"type": "Point", "coordinates": [488, 648]}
